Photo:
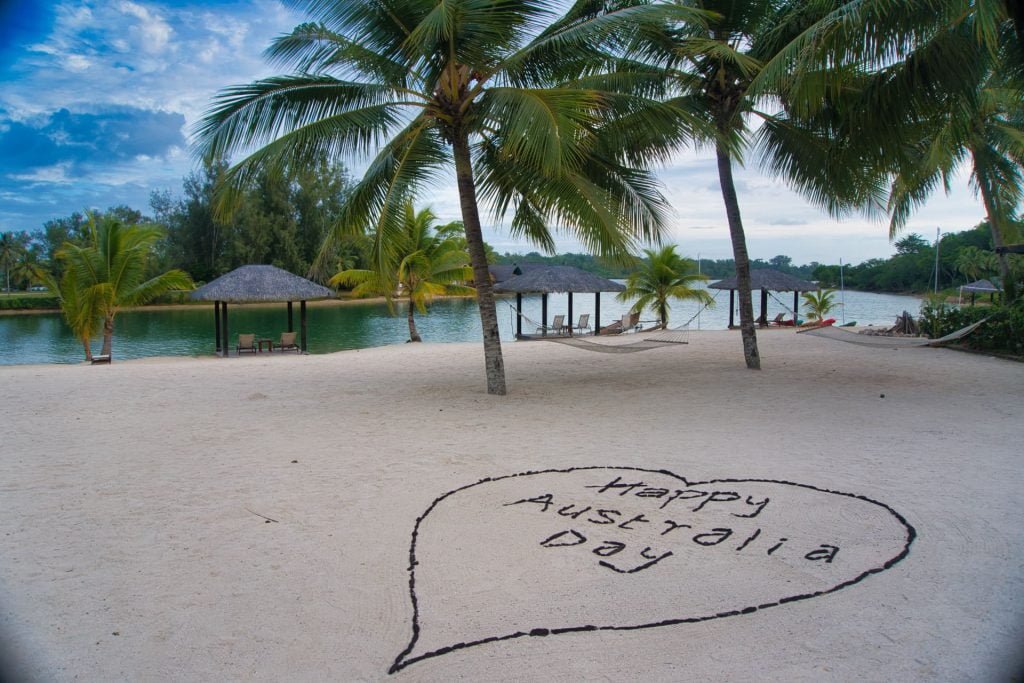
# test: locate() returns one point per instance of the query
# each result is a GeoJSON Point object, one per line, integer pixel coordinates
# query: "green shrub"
{"type": "Point", "coordinates": [1003, 332]}
{"type": "Point", "coordinates": [27, 302]}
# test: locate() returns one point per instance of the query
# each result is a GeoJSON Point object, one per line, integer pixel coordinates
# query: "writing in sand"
{"type": "Point", "coordinates": [604, 548]}
{"type": "Point", "coordinates": [673, 516]}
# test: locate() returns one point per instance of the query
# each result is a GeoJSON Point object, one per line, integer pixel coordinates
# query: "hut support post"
{"type": "Point", "coordinates": [764, 307]}
{"type": "Point", "coordinates": [597, 313]}
{"type": "Point", "coordinates": [291, 325]}
{"type": "Point", "coordinates": [519, 315]}
{"type": "Point", "coordinates": [225, 345]}
{"type": "Point", "coordinates": [544, 314]}
{"type": "Point", "coordinates": [216, 323]}
{"type": "Point", "coordinates": [796, 306]}
{"type": "Point", "coordinates": [302, 323]}
{"type": "Point", "coordinates": [732, 308]}
{"type": "Point", "coordinates": [569, 321]}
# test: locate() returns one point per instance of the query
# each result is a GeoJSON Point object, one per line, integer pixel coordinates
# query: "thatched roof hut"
{"type": "Point", "coordinates": [767, 280]}
{"type": "Point", "coordinates": [258, 284]}
{"type": "Point", "coordinates": [544, 279]}
{"type": "Point", "coordinates": [551, 279]}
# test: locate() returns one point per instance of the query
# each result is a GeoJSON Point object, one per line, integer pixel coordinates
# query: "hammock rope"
{"type": "Point", "coordinates": [881, 341]}
{"type": "Point", "coordinates": [658, 339]}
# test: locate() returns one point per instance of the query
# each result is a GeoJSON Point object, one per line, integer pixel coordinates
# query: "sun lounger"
{"type": "Point", "coordinates": [287, 342]}
{"type": "Point", "coordinates": [557, 326]}
{"type": "Point", "coordinates": [246, 342]}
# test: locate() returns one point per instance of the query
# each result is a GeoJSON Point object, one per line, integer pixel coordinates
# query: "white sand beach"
{"type": "Point", "coordinates": [252, 518]}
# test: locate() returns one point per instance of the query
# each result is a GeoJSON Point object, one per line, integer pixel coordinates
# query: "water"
{"type": "Point", "coordinates": [44, 338]}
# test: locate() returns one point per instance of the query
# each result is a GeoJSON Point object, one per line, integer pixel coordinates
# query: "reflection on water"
{"type": "Point", "coordinates": [44, 338]}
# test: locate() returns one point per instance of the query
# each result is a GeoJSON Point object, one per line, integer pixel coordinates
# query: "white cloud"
{"type": "Point", "coordinates": [51, 174]}
{"type": "Point", "coordinates": [154, 33]}
{"type": "Point", "coordinates": [77, 63]}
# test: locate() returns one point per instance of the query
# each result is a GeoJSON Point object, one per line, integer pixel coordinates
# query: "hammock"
{"type": "Point", "coordinates": [837, 334]}
{"type": "Point", "coordinates": [659, 340]}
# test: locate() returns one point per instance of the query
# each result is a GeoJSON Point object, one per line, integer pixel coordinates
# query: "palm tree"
{"type": "Point", "coordinates": [735, 69]}
{"type": "Point", "coordinates": [664, 275]}
{"type": "Point", "coordinates": [12, 246]}
{"type": "Point", "coordinates": [519, 102]}
{"type": "Point", "coordinates": [974, 263]}
{"type": "Point", "coordinates": [939, 85]}
{"type": "Point", "coordinates": [983, 129]}
{"type": "Point", "coordinates": [106, 274]}
{"type": "Point", "coordinates": [819, 304]}
{"type": "Point", "coordinates": [423, 265]}
{"type": "Point", "coordinates": [78, 308]}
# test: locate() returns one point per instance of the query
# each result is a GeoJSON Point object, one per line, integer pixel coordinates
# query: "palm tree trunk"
{"type": "Point", "coordinates": [413, 334]}
{"type": "Point", "coordinates": [742, 259]}
{"type": "Point", "coordinates": [108, 334]}
{"type": "Point", "coordinates": [88, 348]}
{"type": "Point", "coordinates": [995, 225]}
{"type": "Point", "coordinates": [493, 361]}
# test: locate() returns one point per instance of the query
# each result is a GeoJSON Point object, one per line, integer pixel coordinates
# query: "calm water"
{"type": "Point", "coordinates": [44, 338]}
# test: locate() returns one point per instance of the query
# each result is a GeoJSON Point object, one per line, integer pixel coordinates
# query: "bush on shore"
{"type": "Point", "coordinates": [26, 302]}
{"type": "Point", "coordinates": [1002, 333]}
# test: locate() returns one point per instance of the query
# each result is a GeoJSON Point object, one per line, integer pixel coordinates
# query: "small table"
{"type": "Point", "coordinates": [269, 343]}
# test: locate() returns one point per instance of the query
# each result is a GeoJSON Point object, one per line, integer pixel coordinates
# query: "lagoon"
{"type": "Point", "coordinates": [188, 331]}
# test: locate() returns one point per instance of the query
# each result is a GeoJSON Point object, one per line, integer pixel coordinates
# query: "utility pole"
{"type": "Point", "coordinates": [701, 308]}
{"type": "Point", "coordinates": [938, 243]}
{"type": "Point", "coordinates": [842, 291]}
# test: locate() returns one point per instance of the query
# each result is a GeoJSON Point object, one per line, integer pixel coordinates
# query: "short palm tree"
{"type": "Point", "coordinates": [820, 303]}
{"type": "Point", "coordinates": [422, 265]}
{"type": "Point", "coordinates": [662, 276]}
{"type": "Point", "coordinates": [106, 274]}
{"type": "Point", "coordinates": [517, 101]}
{"type": "Point", "coordinates": [78, 308]}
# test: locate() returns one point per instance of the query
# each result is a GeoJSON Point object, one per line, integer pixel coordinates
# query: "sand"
{"type": "Point", "coordinates": [135, 542]}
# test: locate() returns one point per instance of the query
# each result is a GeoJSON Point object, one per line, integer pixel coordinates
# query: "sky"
{"type": "Point", "coordinates": [98, 98]}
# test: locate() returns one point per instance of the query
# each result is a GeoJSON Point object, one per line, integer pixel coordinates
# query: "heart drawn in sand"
{"type": "Point", "coordinates": [605, 548]}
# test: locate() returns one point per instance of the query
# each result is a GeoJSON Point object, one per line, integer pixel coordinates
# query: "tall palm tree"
{"type": "Point", "coordinates": [106, 274]}
{"type": "Point", "coordinates": [664, 275]}
{"type": "Point", "coordinates": [423, 264]}
{"type": "Point", "coordinates": [719, 68]}
{"type": "Point", "coordinates": [518, 101]}
{"type": "Point", "coordinates": [939, 85]}
{"type": "Point", "coordinates": [983, 130]}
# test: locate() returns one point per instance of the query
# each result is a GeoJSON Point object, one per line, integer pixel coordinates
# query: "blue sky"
{"type": "Point", "coordinates": [97, 100]}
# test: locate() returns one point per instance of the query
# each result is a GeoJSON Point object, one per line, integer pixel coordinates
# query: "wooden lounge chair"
{"type": "Point", "coordinates": [583, 324]}
{"type": "Point", "coordinates": [287, 342]}
{"type": "Point", "coordinates": [557, 326]}
{"type": "Point", "coordinates": [778, 321]}
{"type": "Point", "coordinates": [246, 342]}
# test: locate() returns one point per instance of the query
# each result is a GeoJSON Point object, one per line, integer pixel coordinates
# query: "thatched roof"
{"type": "Point", "coordinates": [252, 284]}
{"type": "Point", "coordinates": [981, 286]}
{"type": "Point", "coordinates": [502, 272]}
{"type": "Point", "coordinates": [772, 280]}
{"type": "Point", "coordinates": [546, 279]}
